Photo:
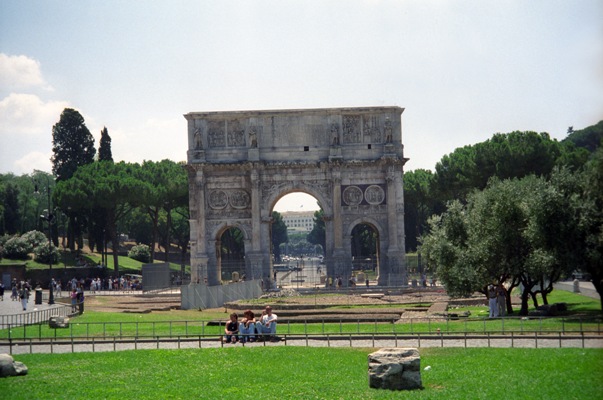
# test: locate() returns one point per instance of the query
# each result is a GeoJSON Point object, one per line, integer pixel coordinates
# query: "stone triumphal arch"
{"type": "Point", "coordinates": [241, 163]}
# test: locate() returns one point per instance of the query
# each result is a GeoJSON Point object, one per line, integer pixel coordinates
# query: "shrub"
{"type": "Point", "coordinates": [35, 238]}
{"type": "Point", "coordinates": [17, 248]}
{"type": "Point", "coordinates": [140, 252]}
{"type": "Point", "coordinates": [4, 238]}
{"type": "Point", "coordinates": [44, 255]}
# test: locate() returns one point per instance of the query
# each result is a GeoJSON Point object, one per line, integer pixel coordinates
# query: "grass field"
{"type": "Point", "coordinates": [583, 315]}
{"type": "Point", "coordinates": [306, 373]}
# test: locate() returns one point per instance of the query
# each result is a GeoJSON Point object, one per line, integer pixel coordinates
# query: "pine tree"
{"type": "Point", "coordinates": [104, 148]}
{"type": "Point", "coordinates": [72, 144]}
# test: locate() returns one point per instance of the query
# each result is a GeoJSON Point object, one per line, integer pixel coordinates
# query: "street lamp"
{"type": "Point", "coordinates": [50, 219]}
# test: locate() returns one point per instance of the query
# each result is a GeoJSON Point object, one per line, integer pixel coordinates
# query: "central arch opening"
{"type": "Point", "coordinates": [297, 240]}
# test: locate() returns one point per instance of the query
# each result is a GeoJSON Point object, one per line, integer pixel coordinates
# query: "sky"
{"type": "Point", "coordinates": [462, 70]}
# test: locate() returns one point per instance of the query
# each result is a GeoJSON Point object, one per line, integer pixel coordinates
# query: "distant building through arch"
{"type": "Point", "coordinates": [241, 163]}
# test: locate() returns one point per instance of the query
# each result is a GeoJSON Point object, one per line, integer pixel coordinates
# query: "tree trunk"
{"type": "Point", "coordinates": [534, 299]}
{"type": "Point", "coordinates": [169, 224]}
{"type": "Point", "coordinates": [524, 302]}
{"type": "Point", "coordinates": [544, 294]}
{"type": "Point", "coordinates": [115, 246]}
{"type": "Point", "coordinates": [154, 214]}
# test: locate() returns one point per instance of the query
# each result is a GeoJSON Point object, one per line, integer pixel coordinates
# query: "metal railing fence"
{"type": "Point", "coordinates": [34, 317]}
{"type": "Point", "coordinates": [38, 329]}
{"type": "Point", "coordinates": [375, 340]}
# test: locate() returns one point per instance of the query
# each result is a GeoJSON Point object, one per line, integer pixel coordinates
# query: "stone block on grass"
{"type": "Point", "coordinates": [10, 367]}
{"type": "Point", "coordinates": [395, 369]}
{"type": "Point", "coordinates": [58, 322]}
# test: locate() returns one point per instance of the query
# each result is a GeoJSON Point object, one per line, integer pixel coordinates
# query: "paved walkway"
{"type": "Point", "coordinates": [363, 341]}
{"type": "Point", "coordinates": [586, 288]}
{"type": "Point", "coordinates": [9, 307]}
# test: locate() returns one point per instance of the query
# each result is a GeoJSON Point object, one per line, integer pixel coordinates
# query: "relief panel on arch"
{"type": "Point", "coordinates": [357, 195]}
{"type": "Point", "coordinates": [237, 199]}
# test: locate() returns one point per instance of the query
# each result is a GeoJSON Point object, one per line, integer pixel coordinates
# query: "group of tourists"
{"type": "Point", "coordinates": [20, 291]}
{"type": "Point", "coordinates": [250, 329]}
{"type": "Point", "coordinates": [497, 300]}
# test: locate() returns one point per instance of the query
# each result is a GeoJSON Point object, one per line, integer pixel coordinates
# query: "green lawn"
{"type": "Point", "coordinates": [583, 316]}
{"type": "Point", "coordinates": [305, 373]}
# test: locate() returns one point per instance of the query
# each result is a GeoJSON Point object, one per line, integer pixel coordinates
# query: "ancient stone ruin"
{"type": "Point", "coordinates": [395, 369]}
{"type": "Point", "coordinates": [10, 367]}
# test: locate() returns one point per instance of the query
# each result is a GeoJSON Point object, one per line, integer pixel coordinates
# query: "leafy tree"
{"type": "Point", "coordinates": [317, 235]}
{"type": "Point", "coordinates": [444, 249]}
{"type": "Point", "coordinates": [505, 156]}
{"type": "Point", "coordinates": [181, 233]}
{"type": "Point", "coordinates": [505, 233]}
{"type": "Point", "coordinates": [138, 226]}
{"type": "Point", "coordinates": [72, 147]}
{"type": "Point", "coordinates": [589, 246]}
{"type": "Point", "coordinates": [588, 138]}
{"type": "Point", "coordinates": [418, 205]}
{"type": "Point", "coordinates": [104, 147]}
{"type": "Point", "coordinates": [114, 187]}
{"type": "Point", "coordinates": [97, 222]}
{"type": "Point", "coordinates": [168, 185]}
{"type": "Point", "coordinates": [12, 213]}
{"type": "Point", "coordinates": [72, 144]}
{"type": "Point", "coordinates": [279, 234]}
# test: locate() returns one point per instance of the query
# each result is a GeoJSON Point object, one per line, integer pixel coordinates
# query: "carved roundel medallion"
{"type": "Point", "coordinates": [239, 199]}
{"type": "Point", "coordinates": [352, 195]}
{"type": "Point", "coordinates": [374, 195]}
{"type": "Point", "coordinates": [218, 199]}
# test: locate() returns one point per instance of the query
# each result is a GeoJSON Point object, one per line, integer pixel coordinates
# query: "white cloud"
{"type": "Point", "coordinates": [26, 132]}
{"type": "Point", "coordinates": [18, 72]}
{"type": "Point", "coordinates": [28, 114]}
{"type": "Point", "coordinates": [36, 160]}
{"type": "Point", "coordinates": [155, 140]}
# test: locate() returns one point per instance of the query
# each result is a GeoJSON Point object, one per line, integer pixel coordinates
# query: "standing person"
{"type": "Point", "coordinates": [1, 291]}
{"type": "Point", "coordinates": [73, 296]}
{"type": "Point", "coordinates": [24, 296]}
{"type": "Point", "coordinates": [267, 324]}
{"type": "Point", "coordinates": [501, 299]}
{"type": "Point", "coordinates": [14, 296]}
{"type": "Point", "coordinates": [492, 303]}
{"type": "Point", "coordinates": [232, 329]}
{"type": "Point", "coordinates": [58, 292]}
{"type": "Point", "coordinates": [247, 327]}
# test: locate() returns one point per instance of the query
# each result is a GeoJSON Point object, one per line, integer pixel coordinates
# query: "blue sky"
{"type": "Point", "coordinates": [463, 70]}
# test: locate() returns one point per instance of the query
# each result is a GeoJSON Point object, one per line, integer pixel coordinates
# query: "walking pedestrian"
{"type": "Point", "coordinates": [24, 296]}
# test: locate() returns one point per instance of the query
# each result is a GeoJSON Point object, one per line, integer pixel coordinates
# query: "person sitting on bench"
{"type": "Point", "coordinates": [267, 324]}
{"type": "Point", "coordinates": [232, 329]}
{"type": "Point", "coordinates": [247, 327]}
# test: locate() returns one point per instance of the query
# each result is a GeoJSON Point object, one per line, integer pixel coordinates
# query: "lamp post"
{"type": "Point", "coordinates": [49, 218]}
